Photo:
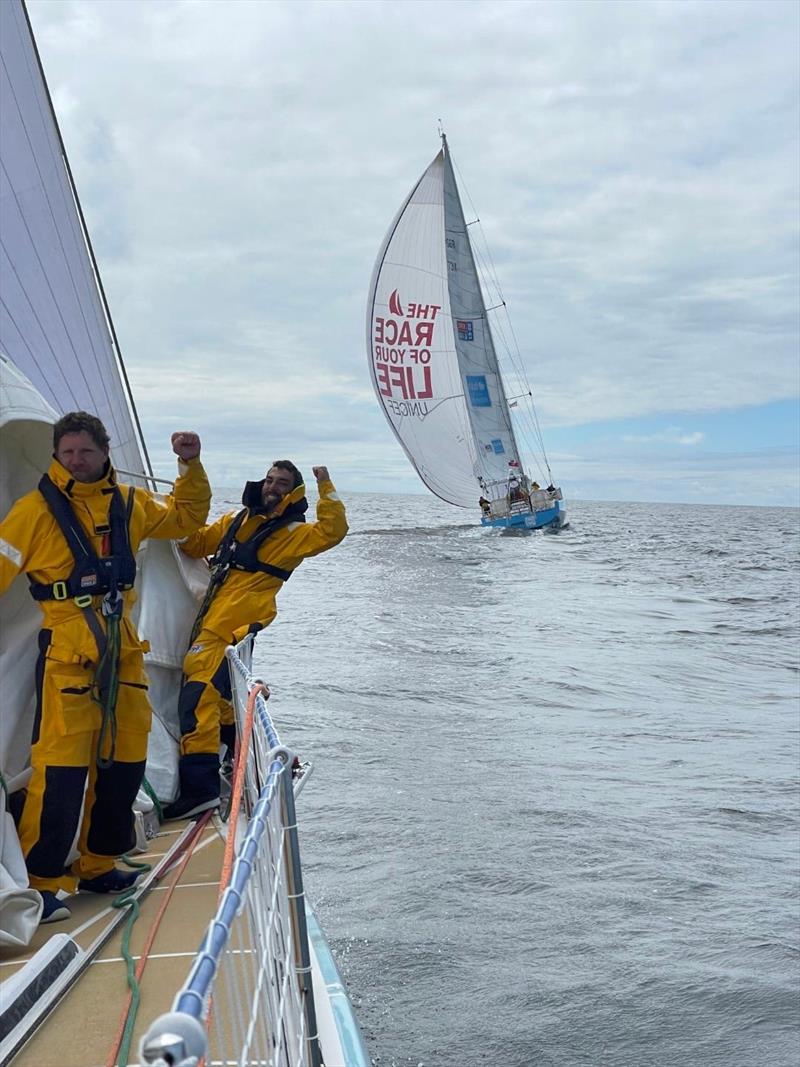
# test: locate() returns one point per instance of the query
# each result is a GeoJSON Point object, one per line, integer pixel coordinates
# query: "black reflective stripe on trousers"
{"type": "Point", "coordinates": [221, 679]}
{"type": "Point", "coordinates": [111, 826]}
{"type": "Point", "coordinates": [187, 705]}
{"type": "Point", "coordinates": [192, 691]}
{"type": "Point", "coordinates": [44, 643]}
{"type": "Point", "coordinates": [58, 824]}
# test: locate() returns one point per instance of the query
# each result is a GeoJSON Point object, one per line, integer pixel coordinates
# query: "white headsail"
{"type": "Point", "coordinates": [54, 324]}
{"type": "Point", "coordinates": [56, 330]}
{"type": "Point", "coordinates": [430, 347]}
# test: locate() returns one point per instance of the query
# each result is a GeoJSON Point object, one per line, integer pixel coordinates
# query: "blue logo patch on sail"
{"type": "Point", "coordinates": [478, 391]}
{"type": "Point", "coordinates": [497, 445]}
{"type": "Point", "coordinates": [464, 330]}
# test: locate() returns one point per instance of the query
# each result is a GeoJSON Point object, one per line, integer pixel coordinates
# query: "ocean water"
{"type": "Point", "coordinates": [554, 815]}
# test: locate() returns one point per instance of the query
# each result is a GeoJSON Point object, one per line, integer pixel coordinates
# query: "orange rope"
{"type": "Point", "coordinates": [238, 783]}
{"type": "Point", "coordinates": [187, 855]}
{"type": "Point", "coordinates": [242, 750]}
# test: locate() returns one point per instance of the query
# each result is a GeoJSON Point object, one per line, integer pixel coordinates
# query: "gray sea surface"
{"type": "Point", "coordinates": [554, 815]}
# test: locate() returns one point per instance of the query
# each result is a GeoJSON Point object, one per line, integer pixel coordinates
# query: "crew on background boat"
{"type": "Point", "coordinates": [515, 495]}
{"type": "Point", "coordinates": [254, 552]}
{"type": "Point", "coordinates": [486, 507]}
{"type": "Point", "coordinates": [76, 538]}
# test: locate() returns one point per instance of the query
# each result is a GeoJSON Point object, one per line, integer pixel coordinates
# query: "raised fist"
{"type": "Point", "coordinates": [185, 444]}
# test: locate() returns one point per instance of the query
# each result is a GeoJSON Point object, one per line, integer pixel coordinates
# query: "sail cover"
{"type": "Point", "coordinates": [431, 355]}
{"type": "Point", "coordinates": [53, 321]}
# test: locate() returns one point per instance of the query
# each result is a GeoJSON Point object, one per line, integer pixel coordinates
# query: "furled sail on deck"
{"type": "Point", "coordinates": [54, 324]}
{"type": "Point", "coordinates": [431, 353]}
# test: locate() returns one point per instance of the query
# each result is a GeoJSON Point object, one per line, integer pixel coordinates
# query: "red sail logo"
{"type": "Point", "coordinates": [402, 344]}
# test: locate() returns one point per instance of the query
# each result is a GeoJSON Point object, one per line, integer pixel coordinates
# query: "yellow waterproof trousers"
{"type": "Point", "coordinates": [205, 700]}
{"type": "Point", "coordinates": [64, 759]}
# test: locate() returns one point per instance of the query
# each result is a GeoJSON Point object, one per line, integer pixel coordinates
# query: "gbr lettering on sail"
{"type": "Point", "coordinates": [401, 348]}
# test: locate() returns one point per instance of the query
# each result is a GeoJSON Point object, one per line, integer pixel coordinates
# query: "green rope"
{"type": "Point", "coordinates": [105, 689]}
{"type": "Point", "coordinates": [137, 866]}
{"type": "Point", "coordinates": [128, 900]}
{"type": "Point", "coordinates": [156, 802]}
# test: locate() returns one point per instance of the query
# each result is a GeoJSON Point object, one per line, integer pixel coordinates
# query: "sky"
{"type": "Point", "coordinates": [634, 167]}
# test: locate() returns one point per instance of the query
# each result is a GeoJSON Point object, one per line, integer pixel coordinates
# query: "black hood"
{"type": "Point", "coordinates": [293, 506]}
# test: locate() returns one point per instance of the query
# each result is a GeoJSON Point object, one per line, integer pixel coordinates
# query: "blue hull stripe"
{"type": "Point", "coordinates": [346, 1026]}
{"type": "Point", "coordinates": [527, 521]}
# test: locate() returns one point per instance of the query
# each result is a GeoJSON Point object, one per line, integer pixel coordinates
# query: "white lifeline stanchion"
{"type": "Point", "coordinates": [252, 971]}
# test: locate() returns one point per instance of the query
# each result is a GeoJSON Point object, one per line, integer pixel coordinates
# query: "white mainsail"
{"type": "Point", "coordinates": [431, 353]}
{"type": "Point", "coordinates": [57, 333]}
{"type": "Point", "coordinates": [54, 325]}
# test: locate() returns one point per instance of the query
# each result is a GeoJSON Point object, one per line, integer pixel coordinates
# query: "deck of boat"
{"type": "Point", "coordinates": [82, 1029]}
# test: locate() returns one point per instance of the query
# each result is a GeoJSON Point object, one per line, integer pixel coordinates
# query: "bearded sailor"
{"type": "Point", "coordinates": [254, 552]}
{"type": "Point", "coordinates": [76, 537]}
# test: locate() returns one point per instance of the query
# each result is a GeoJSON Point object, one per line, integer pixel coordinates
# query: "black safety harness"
{"type": "Point", "coordinates": [243, 555]}
{"type": "Point", "coordinates": [91, 576]}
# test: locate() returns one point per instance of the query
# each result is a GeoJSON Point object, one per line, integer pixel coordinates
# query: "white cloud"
{"type": "Point", "coordinates": [673, 435]}
{"type": "Point", "coordinates": [634, 165]}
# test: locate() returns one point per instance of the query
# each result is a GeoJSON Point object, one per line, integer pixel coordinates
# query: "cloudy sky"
{"type": "Point", "coordinates": [634, 166]}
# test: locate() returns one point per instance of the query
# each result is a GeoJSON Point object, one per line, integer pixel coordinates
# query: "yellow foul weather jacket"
{"type": "Point", "coordinates": [71, 789]}
{"type": "Point", "coordinates": [31, 541]}
{"type": "Point", "coordinates": [246, 601]}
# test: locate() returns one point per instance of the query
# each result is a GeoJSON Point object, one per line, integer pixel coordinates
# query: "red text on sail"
{"type": "Point", "coordinates": [402, 352]}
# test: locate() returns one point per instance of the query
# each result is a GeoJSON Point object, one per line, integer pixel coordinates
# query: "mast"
{"type": "Point", "coordinates": [488, 412]}
{"type": "Point", "coordinates": [430, 348]}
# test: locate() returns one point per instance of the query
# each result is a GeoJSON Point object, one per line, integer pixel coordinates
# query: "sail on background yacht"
{"type": "Point", "coordinates": [434, 365]}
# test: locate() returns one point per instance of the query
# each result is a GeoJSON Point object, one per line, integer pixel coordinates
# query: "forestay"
{"type": "Point", "coordinates": [431, 353]}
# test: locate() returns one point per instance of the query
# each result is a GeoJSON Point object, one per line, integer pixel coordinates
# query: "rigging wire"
{"type": "Point", "coordinates": [528, 416]}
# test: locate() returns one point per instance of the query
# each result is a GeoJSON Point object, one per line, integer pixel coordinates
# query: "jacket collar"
{"type": "Point", "coordinates": [288, 501]}
{"type": "Point", "coordinates": [251, 498]}
{"type": "Point", "coordinates": [60, 477]}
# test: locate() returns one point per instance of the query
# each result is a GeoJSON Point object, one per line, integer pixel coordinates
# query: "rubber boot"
{"type": "Point", "coordinates": [199, 786]}
{"type": "Point", "coordinates": [227, 737]}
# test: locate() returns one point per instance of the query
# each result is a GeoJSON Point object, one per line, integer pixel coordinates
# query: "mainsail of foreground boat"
{"type": "Point", "coordinates": [262, 986]}
{"type": "Point", "coordinates": [435, 369]}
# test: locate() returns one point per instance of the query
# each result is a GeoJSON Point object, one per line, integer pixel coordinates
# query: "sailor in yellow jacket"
{"type": "Point", "coordinates": [255, 552]}
{"type": "Point", "coordinates": [76, 538]}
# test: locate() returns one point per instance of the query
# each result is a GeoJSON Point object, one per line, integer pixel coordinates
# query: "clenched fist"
{"type": "Point", "coordinates": [185, 444]}
{"type": "Point", "coordinates": [321, 474]}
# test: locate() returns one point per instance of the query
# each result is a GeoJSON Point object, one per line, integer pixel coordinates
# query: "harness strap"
{"type": "Point", "coordinates": [266, 568]}
{"type": "Point", "coordinates": [90, 574]}
{"type": "Point", "coordinates": [104, 689]}
{"type": "Point", "coordinates": [226, 554]}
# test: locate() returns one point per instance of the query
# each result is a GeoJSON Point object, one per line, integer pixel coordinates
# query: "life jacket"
{"type": "Point", "coordinates": [91, 574]}
{"type": "Point", "coordinates": [243, 555]}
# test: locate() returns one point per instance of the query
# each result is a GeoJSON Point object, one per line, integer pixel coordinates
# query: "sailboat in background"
{"type": "Point", "coordinates": [262, 985]}
{"type": "Point", "coordinates": [435, 369]}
